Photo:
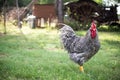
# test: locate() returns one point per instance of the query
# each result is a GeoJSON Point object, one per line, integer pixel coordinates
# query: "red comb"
{"type": "Point", "coordinates": [93, 25]}
{"type": "Point", "coordinates": [93, 30]}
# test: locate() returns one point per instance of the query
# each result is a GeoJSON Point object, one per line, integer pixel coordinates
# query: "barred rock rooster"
{"type": "Point", "coordinates": [80, 48]}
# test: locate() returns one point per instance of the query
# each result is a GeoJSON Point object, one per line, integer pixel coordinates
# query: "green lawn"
{"type": "Point", "coordinates": [36, 54]}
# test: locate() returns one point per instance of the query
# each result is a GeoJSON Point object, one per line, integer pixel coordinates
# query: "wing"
{"type": "Point", "coordinates": [78, 45]}
{"type": "Point", "coordinates": [79, 51]}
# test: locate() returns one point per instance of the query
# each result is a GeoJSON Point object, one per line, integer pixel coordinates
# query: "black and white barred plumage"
{"type": "Point", "coordinates": [80, 48]}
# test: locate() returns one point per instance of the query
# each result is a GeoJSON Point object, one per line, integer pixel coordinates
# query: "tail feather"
{"type": "Point", "coordinates": [62, 24]}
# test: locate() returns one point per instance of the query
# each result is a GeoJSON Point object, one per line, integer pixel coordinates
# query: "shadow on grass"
{"type": "Point", "coordinates": [113, 43]}
{"type": "Point", "coordinates": [114, 47]}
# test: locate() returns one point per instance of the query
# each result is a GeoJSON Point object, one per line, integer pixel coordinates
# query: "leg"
{"type": "Point", "coordinates": [81, 64]}
{"type": "Point", "coordinates": [79, 59]}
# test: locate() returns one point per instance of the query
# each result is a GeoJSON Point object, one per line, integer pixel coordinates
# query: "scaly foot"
{"type": "Point", "coordinates": [81, 69]}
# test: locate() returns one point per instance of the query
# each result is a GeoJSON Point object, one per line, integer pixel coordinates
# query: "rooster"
{"type": "Point", "coordinates": [80, 48]}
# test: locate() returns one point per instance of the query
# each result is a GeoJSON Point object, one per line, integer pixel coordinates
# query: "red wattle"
{"type": "Point", "coordinates": [93, 34]}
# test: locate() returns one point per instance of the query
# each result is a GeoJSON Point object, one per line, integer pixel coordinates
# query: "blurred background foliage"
{"type": "Point", "coordinates": [26, 2]}
{"type": "Point", "coordinates": [23, 3]}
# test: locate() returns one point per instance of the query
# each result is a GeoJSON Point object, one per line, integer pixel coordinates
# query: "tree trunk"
{"type": "Point", "coordinates": [59, 10]}
{"type": "Point", "coordinates": [4, 13]}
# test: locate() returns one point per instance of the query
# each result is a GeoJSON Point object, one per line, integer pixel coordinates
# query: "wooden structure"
{"type": "Point", "coordinates": [44, 13]}
{"type": "Point", "coordinates": [85, 11]}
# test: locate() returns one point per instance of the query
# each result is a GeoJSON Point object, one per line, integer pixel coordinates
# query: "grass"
{"type": "Point", "coordinates": [36, 54]}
